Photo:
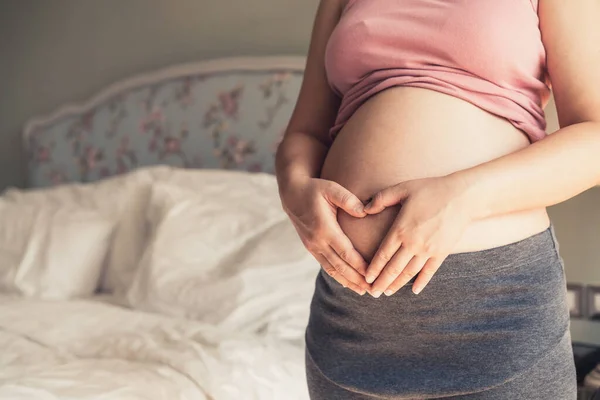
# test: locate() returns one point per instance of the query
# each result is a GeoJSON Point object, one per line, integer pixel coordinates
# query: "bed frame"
{"type": "Point", "coordinates": [224, 113]}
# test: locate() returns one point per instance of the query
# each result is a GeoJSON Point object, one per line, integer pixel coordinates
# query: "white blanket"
{"type": "Point", "coordinates": [90, 349]}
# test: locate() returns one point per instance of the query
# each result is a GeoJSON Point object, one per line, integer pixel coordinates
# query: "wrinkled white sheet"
{"type": "Point", "coordinates": [92, 349]}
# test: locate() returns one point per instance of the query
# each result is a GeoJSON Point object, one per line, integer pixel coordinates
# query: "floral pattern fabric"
{"type": "Point", "coordinates": [231, 120]}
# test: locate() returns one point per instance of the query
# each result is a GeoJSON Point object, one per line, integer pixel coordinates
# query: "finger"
{"type": "Point", "coordinates": [339, 278]}
{"type": "Point", "coordinates": [430, 268]}
{"type": "Point", "coordinates": [388, 247]}
{"type": "Point", "coordinates": [414, 267]}
{"type": "Point", "coordinates": [387, 197]}
{"type": "Point", "coordinates": [344, 248]}
{"type": "Point", "coordinates": [344, 199]}
{"type": "Point", "coordinates": [344, 269]}
{"type": "Point", "coordinates": [391, 271]}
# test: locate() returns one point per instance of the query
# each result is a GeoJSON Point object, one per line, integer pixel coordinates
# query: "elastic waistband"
{"type": "Point", "coordinates": [541, 246]}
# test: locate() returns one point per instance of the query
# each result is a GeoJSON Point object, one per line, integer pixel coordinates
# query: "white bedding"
{"type": "Point", "coordinates": [211, 305]}
{"type": "Point", "coordinates": [92, 349]}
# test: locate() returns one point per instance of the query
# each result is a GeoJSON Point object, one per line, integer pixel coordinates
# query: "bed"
{"type": "Point", "coordinates": [149, 257]}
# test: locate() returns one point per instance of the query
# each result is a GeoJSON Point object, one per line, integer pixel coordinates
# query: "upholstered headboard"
{"type": "Point", "coordinates": [224, 113]}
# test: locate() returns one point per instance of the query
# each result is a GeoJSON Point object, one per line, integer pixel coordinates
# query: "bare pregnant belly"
{"type": "Point", "coordinates": [406, 133]}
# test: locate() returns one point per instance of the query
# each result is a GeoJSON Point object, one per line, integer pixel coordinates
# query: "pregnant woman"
{"type": "Point", "coordinates": [417, 171]}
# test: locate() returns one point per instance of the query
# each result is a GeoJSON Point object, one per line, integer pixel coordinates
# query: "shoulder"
{"type": "Point", "coordinates": [571, 36]}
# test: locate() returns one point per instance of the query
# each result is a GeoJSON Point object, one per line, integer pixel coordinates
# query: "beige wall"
{"type": "Point", "coordinates": [65, 50]}
{"type": "Point", "coordinates": [577, 223]}
{"type": "Point", "coordinates": [54, 51]}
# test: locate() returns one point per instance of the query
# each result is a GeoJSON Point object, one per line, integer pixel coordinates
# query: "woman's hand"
{"type": "Point", "coordinates": [432, 218]}
{"type": "Point", "coordinates": [312, 205]}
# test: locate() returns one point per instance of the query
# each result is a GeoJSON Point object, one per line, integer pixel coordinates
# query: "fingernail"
{"type": "Point", "coordinates": [370, 279]}
{"type": "Point", "coordinates": [376, 293]}
{"type": "Point", "coordinates": [359, 210]}
{"type": "Point", "coordinates": [417, 290]}
{"type": "Point", "coordinates": [362, 292]}
{"type": "Point", "coordinates": [388, 292]}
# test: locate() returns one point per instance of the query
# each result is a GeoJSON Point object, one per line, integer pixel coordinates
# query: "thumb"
{"type": "Point", "coordinates": [346, 200]}
{"type": "Point", "coordinates": [386, 198]}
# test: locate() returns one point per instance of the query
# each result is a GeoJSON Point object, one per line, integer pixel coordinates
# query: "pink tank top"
{"type": "Point", "coordinates": [487, 52]}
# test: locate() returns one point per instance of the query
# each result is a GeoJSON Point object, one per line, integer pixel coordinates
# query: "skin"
{"type": "Point", "coordinates": [428, 215]}
{"type": "Point", "coordinates": [545, 173]}
{"type": "Point", "coordinates": [313, 203]}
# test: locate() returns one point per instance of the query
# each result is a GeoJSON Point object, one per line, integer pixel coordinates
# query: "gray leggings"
{"type": "Point", "coordinates": [552, 378]}
{"type": "Point", "coordinates": [490, 325]}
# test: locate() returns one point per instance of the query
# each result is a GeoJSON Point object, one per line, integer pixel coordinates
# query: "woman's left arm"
{"type": "Point", "coordinates": [566, 162]}
{"type": "Point", "coordinates": [435, 211]}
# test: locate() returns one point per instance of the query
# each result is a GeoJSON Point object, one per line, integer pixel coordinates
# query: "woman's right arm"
{"type": "Point", "coordinates": [310, 202]}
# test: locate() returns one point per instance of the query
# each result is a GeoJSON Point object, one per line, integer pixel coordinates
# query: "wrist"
{"type": "Point", "coordinates": [291, 178]}
{"type": "Point", "coordinates": [470, 194]}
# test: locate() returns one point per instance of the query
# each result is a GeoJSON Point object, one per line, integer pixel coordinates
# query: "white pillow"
{"type": "Point", "coordinates": [212, 184]}
{"type": "Point", "coordinates": [123, 198]}
{"type": "Point", "coordinates": [227, 255]}
{"type": "Point", "coordinates": [51, 251]}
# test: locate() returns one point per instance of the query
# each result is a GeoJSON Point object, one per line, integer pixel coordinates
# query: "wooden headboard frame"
{"type": "Point", "coordinates": [44, 132]}
{"type": "Point", "coordinates": [227, 64]}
